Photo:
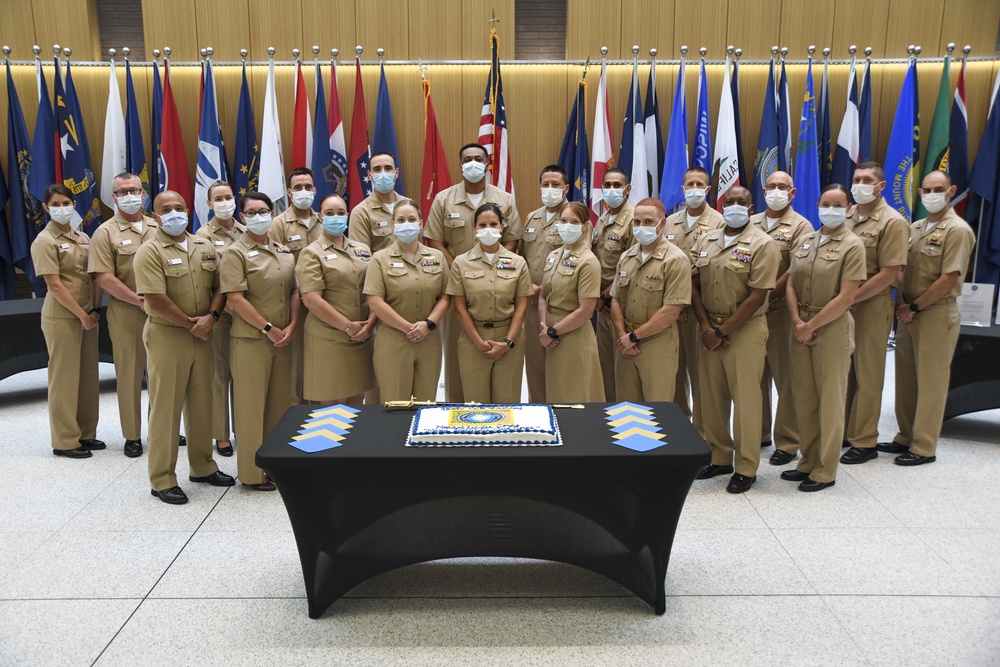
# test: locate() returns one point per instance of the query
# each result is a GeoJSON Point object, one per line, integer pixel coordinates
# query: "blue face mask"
{"type": "Point", "coordinates": [335, 225]}
{"type": "Point", "coordinates": [613, 197]}
{"type": "Point", "coordinates": [384, 182]}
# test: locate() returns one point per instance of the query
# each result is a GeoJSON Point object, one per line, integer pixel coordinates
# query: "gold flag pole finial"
{"type": "Point", "coordinates": [421, 67]}
{"type": "Point", "coordinates": [494, 20]}
{"type": "Point", "coordinates": [586, 66]}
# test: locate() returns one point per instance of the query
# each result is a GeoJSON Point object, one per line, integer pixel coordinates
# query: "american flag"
{"type": "Point", "coordinates": [493, 124]}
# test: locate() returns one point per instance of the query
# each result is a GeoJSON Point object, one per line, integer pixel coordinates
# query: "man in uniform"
{"type": "Point", "coordinates": [683, 229]}
{"type": "Point", "coordinates": [295, 228]}
{"type": "Point", "coordinates": [884, 233]}
{"type": "Point", "coordinates": [929, 322]}
{"type": "Point", "coordinates": [371, 219]}
{"type": "Point", "coordinates": [178, 274]}
{"type": "Point", "coordinates": [221, 231]}
{"type": "Point", "coordinates": [734, 268]}
{"type": "Point", "coordinates": [539, 239]}
{"type": "Point", "coordinates": [787, 229]}
{"type": "Point", "coordinates": [112, 250]}
{"type": "Point", "coordinates": [612, 237]}
{"type": "Point", "coordinates": [651, 287]}
{"type": "Point", "coordinates": [450, 229]}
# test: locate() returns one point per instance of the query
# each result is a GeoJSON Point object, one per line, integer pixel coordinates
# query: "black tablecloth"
{"type": "Point", "coordinates": [372, 504]}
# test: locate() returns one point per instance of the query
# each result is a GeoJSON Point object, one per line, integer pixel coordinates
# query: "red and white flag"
{"type": "Point", "coordinates": [601, 154]}
{"type": "Point", "coordinates": [174, 172]}
{"type": "Point", "coordinates": [358, 185]}
{"type": "Point", "coordinates": [726, 160]}
{"type": "Point", "coordinates": [335, 124]}
{"type": "Point", "coordinates": [435, 176]}
{"type": "Point", "coordinates": [493, 132]}
{"type": "Point", "coordinates": [302, 129]}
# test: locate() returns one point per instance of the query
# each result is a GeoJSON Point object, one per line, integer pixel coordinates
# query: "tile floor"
{"type": "Point", "coordinates": [892, 566]}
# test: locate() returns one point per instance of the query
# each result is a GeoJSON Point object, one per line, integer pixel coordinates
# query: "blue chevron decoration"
{"type": "Point", "coordinates": [325, 428]}
{"type": "Point", "coordinates": [634, 427]}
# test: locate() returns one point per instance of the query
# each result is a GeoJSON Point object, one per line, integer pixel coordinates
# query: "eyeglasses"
{"type": "Point", "coordinates": [263, 211]}
{"type": "Point", "coordinates": [778, 186]}
{"type": "Point", "coordinates": [130, 191]}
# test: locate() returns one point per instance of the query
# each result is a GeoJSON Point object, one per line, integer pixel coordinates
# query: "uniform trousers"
{"type": "Point", "coordinates": [606, 352]}
{"type": "Point", "coordinates": [687, 370]}
{"type": "Point", "coordinates": [125, 324]}
{"type": "Point", "coordinates": [872, 324]}
{"type": "Point", "coordinates": [819, 372]}
{"type": "Point", "coordinates": [222, 378]}
{"type": "Point", "coordinates": [487, 380]}
{"type": "Point", "coordinates": [180, 378]}
{"type": "Point", "coordinates": [262, 389]}
{"type": "Point", "coordinates": [534, 355]}
{"type": "Point", "coordinates": [452, 373]}
{"type": "Point", "coordinates": [777, 368]}
{"type": "Point", "coordinates": [730, 381]}
{"type": "Point", "coordinates": [74, 394]}
{"type": "Point", "coordinates": [406, 369]}
{"type": "Point", "coordinates": [572, 368]}
{"type": "Point", "coordinates": [650, 375]}
{"type": "Point", "coordinates": [924, 349]}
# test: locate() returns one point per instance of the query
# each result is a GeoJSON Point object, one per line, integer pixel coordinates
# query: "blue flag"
{"type": "Point", "coordinates": [78, 174]}
{"type": "Point", "coordinates": [574, 156]}
{"type": "Point", "coordinates": [958, 147]}
{"type": "Point", "coordinates": [211, 164]}
{"type": "Point", "coordinates": [901, 157]}
{"type": "Point", "coordinates": [984, 207]}
{"type": "Point", "coordinates": [384, 140]}
{"type": "Point", "coordinates": [8, 280]}
{"type": "Point", "coordinates": [784, 124]}
{"type": "Point", "coordinates": [825, 143]}
{"type": "Point", "coordinates": [703, 128]}
{"type": "Point", "coordinates": [766, 160]}
{"type": "Point", "coordinates": [43, 145]}
{"type": "Point", "coordinates": [247, 149]}
{"type": "Point", "coordinates": [845, 156]}
{"type": "Point", "coordinates": [865, 115]}
{"type": "Point", "coordinates": [807, 159]}
{"type": "Point", "coordinates": [156, 129]}
{"type": "Point", "coordinates": [322, 155]}
{"type": "Point", "coordinates": [675, 159]}
{"type": "Point", "coordinates": [26, 216]}
{"type": "Point", "coordinates": [735, 87]}
{"type": "Point", "coordinates": [135, 149]}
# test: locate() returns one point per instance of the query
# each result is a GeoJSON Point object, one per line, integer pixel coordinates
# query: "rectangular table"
{"type": "Point", "coordinates": [369, 504]}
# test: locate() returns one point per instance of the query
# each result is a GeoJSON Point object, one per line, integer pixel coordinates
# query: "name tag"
{"type": "Point", "coordinates": [125, 242]}
{"type": "Point", "coordinates": [380, 224]}
{"type": "Point", "coordinates": [623, 273]}
{"type": "Point", "coordinates": [64, 246]}
{"type": "Point", "coordinates": [252, 253]}
{"type": "Point", "coordinates": [703, 253]}
{"type": "Point", "coordinates": [327, 258]}
{"type": "Point", "coordinates": [296, 237]}
{"type": "Point", "coordinates": [531, 230]}
{"type": "Point", "coordinates": [805, 246]}
{"type": "Point", "coordinates": [174, 262]}
{"type": "Point", "coordinates": [670, 237]}
{"type": "Point", "coordinates": [218, 243]}
{"type": "Point", "coordinates": [396, 265]}
{"type": "Point", "coordinates": [454, 215]}
{"type": "Point", "coordinates": [551, 260]}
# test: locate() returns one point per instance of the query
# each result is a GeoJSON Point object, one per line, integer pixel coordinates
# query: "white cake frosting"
{"type": "Point", "coordinates": [484, 425]}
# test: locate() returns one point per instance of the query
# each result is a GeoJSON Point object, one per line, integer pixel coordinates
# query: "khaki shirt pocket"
{"type": "Point", "coordinates": [931, 250]}
{"type": "Point", "coordinates": [178, 279]}
{"type": "Point", "coordinates": [454, 230]}
{"type": "Point", "coordinates": [432, 270]}
{"type": "Point", "coordinates": [383, 230]}
{"type": "Point", "coordinates": [738, 267]}
{"type": "Point", "coordinates": [529, 237]}
{"type": "Point", "coordinates": [396, 271]}
{"type": "Point", "coordinates": [566, 270]}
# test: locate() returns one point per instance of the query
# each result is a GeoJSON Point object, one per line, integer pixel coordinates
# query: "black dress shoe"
{"type": "Point", "coordinates": [78, 453]}
{"type": "Point", "coordinates": [182, 441]}
{"type": "Point", "coordinates": [765, 443]}
{"type": "Point", "coordinates": [856, 455]}
{"type": "Point", "coordinates": [809, 485]}
{"type": "Point", "coordinates": [224, 451]}
{"type": "Point", "coordinates": [133, 448]}
{"type": "Point", "coordinates": [911, 459]}
{"type": "Point", "coordinates": [268, 485]}
{"type": "Point", "coordinates": [217, 478]}
{"type": "Point", "coordinates": [710, 471]}
{"type": "Point", "coordinates": [845, 444]}
{"type": "Point", "coordinates": [740, 483]}
{"type": "Point", "coordinates": [794, 475]}
{"type": "Point", "coordinates": [93, 444]}
{"type": "Point", "coordinates": [891, 447]}
{"type": "Point", "coordinates": [172, 496]}
{"type": "Point", "coordinates": [780, 458]}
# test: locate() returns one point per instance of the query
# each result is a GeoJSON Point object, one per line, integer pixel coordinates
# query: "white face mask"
{"type": "Point", "coordinates": [173, 223]}
{"type": "Point", "coordinates": [613, 197]}
{"type": "Point", "coordinates": [259, 224]}
{"type": "Point", "coordinates": [645, 235]}
{"type": "Point", "coordinates": [832, 217]}
{"type": "Point", "coordinates": [551, 197]}
{"type": "Point", "coordinates": [303, 198]}
{"type": "Point", "coordinates": [224, 209]}
{"type": "Point", "coordinates": [61, 214]}
{"type": "Point", "coordinates": [406, 232]}
{"type": "Point", "coordinates": [736, 216]}
{"type": "Point", "coordinates": [694, 197]}
{"type": "Point", "coordinates": [488, 236]}
{"type": "Point", "coordinates": [569, 232]}
{"type": "Point", "coordinates": [776, 199]}
{"type": "Point", "coordinates": [934, 202]}
{"type": "Point", "coordinates": [129, 204]}
{"type": "Point", "coordinates": [473, 171]}
{"type": "Point", "coordinates": [862, 193]}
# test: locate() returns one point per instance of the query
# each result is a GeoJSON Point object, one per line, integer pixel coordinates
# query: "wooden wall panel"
{"type": "Point", "coordinates": [861, 23]}
{"type": "Point", "coordinates": [329, 26]}
{"type": "Point", "coordinates": [699, 23]}
{"type": "Point", "coordinates": [972, 22]}
{"type": "Point", "coordinates": [71, 23]}
{"type": "Point", "coordinates": [277, 24]}
{"type": "Point", "coordinates": [384, 24]}
{"type": "Point", "coordinates": [18, 21]}
{"type": "Point", "coordinates": [476, 29]}
{"type": "Point", "coordinates": [428, 24]}
{"type": "Point", "coordinates": [754, 26]}
{"type": "Point", "coordinates": [235, 16]}
{"type": "Point", "coordinates": [591, 24]}
{"type": "Point", "coordinates": [915, 22]}
{"type": "Point", "coordinates": [172, 24]}
{"type": "Point", "coordinates": [647, 24]}
{"type": "Point", "coordinates": [805, 23]}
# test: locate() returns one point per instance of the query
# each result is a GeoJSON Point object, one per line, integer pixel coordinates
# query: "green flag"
{"type": "Point", "coordinates": [937, 145]}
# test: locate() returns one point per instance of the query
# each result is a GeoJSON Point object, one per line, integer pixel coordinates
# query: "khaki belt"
{"type": "Point", "coordinates": [631, 326]}
{"type": "Point", "coordinates": [717, 320]}
{"type": "Point", "coordinates": [810, 309]}
{"type": "Point", "coordinates": [492, 325]}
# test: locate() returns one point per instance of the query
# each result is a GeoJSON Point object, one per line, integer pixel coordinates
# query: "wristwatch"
{"type": "Point", "coordinates": [215, 315]}
{"type": "Point", "coordinates": [96, 309]}
{"type": "Point", "coordinates": [552, 333]}
{"type": "Point", "coordinates": [718, 332]}
{"type": "Point", "coordinates": [267, 327]}
{"type": "Point", "coordinates": [509, 342]}
{"type": "Point", "coordinates": [431, 325]}
{"type": "Point", "coordinates": [632, 337]}
{"type": "Point", "coordinates": [914, 307]}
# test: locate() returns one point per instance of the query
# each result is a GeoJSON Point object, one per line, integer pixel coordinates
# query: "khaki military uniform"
{"type": "Point", "coordinates": [222, 379]}
{"type": "Point", "coordinates": [611, 239]}
{"type": "Point", "coordinates": [884, 235]}
{"type": "Point", "coordinates": [643, 286]}
{"type": "Point", "coordinates": [539, 239]}
{"type": "Point", "coordinates": [726, 272]}
{"type": "Point", "coordinates": [925, 346]}
{"type": "Point", "coordinates": [819, 368]}
{"type": "Point", "coordinates": [336, 367]}
{"type": "Point", "coordinates": [411, 288]}
{"type": "Point", "coordinates": [112, 250]}
{"type": "Point", "coordinates": [788, 233]}
{"type": "Point", "coordinates": [295, 234]}
{"type": "Point", "coordinates": [262, 373]}
{"type": "Point", "coordinates": [676, 231]}
{"type": "Point", "coordinates": [450, 222]}
{"type": "Point", "coordinates": [180, 365]}
{"type": "Point", "coordinates": [371, 223]}
{"type": "Point", "coordinates": [572, 368]}
{"type": "Point", "coordinates": [490, 288]}
{"type": "Point", "coordinates": [74, 394]}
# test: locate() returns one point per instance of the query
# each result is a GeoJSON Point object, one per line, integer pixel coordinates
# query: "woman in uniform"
{"type": "Point", "coordinates": [69, 324]}
{"type": "Point", "coordinates": [490, 286]}
{"type": "Point", "coordinates": [824, 275]}
{"type": "Point", "coordinates": [571, 285]}
{"type": "Point", "coordinates": [258, 278]}
{"type": "Point", "coordinates": [338, 349]}
{"type": "Point", "coordinates": [405, 286]}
